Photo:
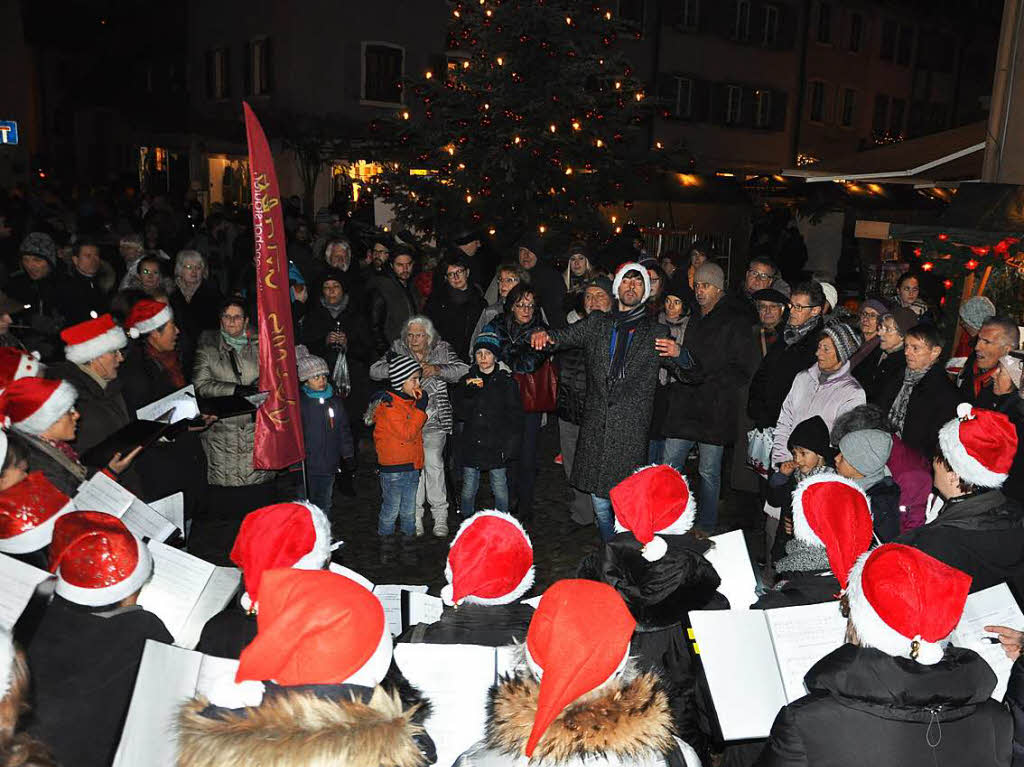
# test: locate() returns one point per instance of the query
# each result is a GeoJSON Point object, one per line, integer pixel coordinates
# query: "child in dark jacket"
{"type": "Point", "coordinates": [487, 403]}
{"type": "Point", "coordinates": [812, 454]}
{"type": "Point", "coordinates": [325, 429]}
{"type": "Point", "coordinates": [397, 415]}
{"type": "Point", "coordinates": [862, 457]}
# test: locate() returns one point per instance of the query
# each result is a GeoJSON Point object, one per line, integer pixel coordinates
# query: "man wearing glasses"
{"type": "Point", "coordinates": [760, 275]}
{"type": "Point", "coordinates": [455, 307]}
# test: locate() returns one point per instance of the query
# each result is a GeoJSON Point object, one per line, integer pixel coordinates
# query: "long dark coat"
{"type": "Point", "coordinates": [931, 405]}
{"type": "Point", "coordinates": [613, 434]}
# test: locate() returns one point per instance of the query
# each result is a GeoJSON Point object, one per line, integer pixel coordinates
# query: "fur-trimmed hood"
{"type": "Point", "coordinates": [298, 728]}
{"type": "Point", "coordinates": [628, 718]}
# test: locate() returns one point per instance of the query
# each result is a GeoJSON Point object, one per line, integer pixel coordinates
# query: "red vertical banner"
{"type": "Point", "coordinates": [279, 419]}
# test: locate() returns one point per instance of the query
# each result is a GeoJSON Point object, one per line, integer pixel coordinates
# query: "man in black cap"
{"type": "Point", "coordinates": [469, 244]}
{"type": "Point", "coordinates": [546, 281]}
{"type": "Point", "coordinates": [35, 285]}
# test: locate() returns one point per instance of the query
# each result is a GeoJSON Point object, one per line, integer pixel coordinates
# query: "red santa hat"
{"type": "Point", "coordinates": [146, 316]}
{"type": "Point", "coordinates": [833, 512]}
{"type": "Point", "coordinates": [28, 512]}
{"type": "Point", "coordinates": [654, 499]}
{"type": "Point", "coordinates": [490, 561]}
{"type": "Point", "coordinates": [97, 559]}
{"type": "Point", "coordinates": [33, 405]}
{"type": "Point", "coordinates": [577, 641]}
{"type": "Point", "coordinates": [979, 445]}
{"type": "Point", "coordinates": [15, 364]}
{"type": "Point", "coordinates": [316, 627]}
{"type": "Point", "coordinates": [90, 339]}
{"type": "Point", "coordinates": [295, 534]}
{"type": "Point", "coordinates": [905, 602]}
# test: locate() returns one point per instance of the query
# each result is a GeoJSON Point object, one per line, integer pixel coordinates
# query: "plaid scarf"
{"type": "Point", "coordinates": [898, 411]}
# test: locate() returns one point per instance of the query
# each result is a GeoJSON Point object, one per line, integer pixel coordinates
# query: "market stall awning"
{"type": "Point", "coordinates": [950, 156]}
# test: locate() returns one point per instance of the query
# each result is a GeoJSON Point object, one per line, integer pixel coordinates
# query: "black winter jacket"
{"type": "Point", "coordinates": [491, 417]}
{"type": "Point", "coordinates": [1015, 702]}
{"type": "Point", "coordinates": [774, 377]}
{"type": "Point", "coordinates": [572, 384]}
{"type": "Point", "coordinates": [550, 290]}
{"type": "Point", "coordinates": [885, 508]}
{"type": "Point", "coordinates": [879, 379]}
{"type": "Point", "coordinates": [391, 304]}
{"type": "Point", "coordinates": [486, 625]}
{"type": "Point", "coordinates": [326, 433]}
{"type": "Point", "coordinates": [44, 316]}
{"type": "Point", "coordinates": [199, 314]}
{"type": "Point", "coordinates": [867, 708]}
{"type": "Point", "coordinates": [932, 403]}
{"type": "Point", "coordinates": [79, 296]}
{"type": "Point", "coordinates": [228, 632]}
{"type": "Point", "coordinates": [981, 534]}
{"type": "Point", "coordinates": [706, 410]}
{"type": "Point", "coordinates": [455, 314]}
{"type": "Point", "coordinates": [516, 351]}
{"type": "Point", "coordinates": [1012, 406]}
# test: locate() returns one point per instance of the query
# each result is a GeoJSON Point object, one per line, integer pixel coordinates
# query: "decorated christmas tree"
{"type": "Point", "coordinates": [534, 121]}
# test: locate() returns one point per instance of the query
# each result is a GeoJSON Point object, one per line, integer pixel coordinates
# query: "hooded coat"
{"type": "Point", "coordinates": [627, 721]}
{"type": "Point", "coordinates": [868, 708]}
{"type": "Point", "coordinates": [808, 397]}
{"type": "Point", "coordinates": [313, 726]}
{"type": "Point", "coordinates": [981, 534]}
{"type": "Point", "coordinates": [613, 433]}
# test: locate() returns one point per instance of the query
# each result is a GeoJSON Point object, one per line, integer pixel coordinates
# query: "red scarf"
{"type": "Point", "coordinates": [982, 379]}
{"type": "Point", "coordinates": [170, 362]}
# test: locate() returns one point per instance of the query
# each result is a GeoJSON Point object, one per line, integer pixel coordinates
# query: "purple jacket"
{"type": "Point", "coordinates": [912, 473]}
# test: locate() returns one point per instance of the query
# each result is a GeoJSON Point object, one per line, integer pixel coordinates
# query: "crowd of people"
{"type": "Point", "coordinates": [881, 472]}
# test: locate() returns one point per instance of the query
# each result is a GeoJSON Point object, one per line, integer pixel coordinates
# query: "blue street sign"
{"type": "Point", "coordinates": [8, 132]}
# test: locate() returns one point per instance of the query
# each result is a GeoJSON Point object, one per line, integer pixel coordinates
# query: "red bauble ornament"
{"type": "Point", "coordinates": [943, 237]}
{"type": "Point", "coordinates": [927, 266]}
{"type": "Point", "coordinates": [971, 265]}
{"type": "Point", "coordinates": [947, 284]}
{"type": "Point", "coordinates": [917, 252]}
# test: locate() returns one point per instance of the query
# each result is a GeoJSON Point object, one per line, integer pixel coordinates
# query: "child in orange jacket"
{"type": "Point", "coordinates": [397, 416]}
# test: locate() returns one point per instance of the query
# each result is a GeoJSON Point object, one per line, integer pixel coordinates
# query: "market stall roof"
{"type": "Point", "coordinates": [950, 156]}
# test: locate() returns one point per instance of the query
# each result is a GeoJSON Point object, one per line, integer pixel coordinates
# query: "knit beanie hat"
{"type": "Point", "coordinates": [488, 340]}
{"type": "Point", "coordinates": [1013, 364]}
{"type": "Point", "coordinates": [846, 339]}
{"type": "Point", "coordinates": [40, 245]}
{"type": "Point", "coordinates": [601, 282]}
{"type": "Point", "coordinates": [401, 367]}
{"type": "Point", "coordinates": [677, 286]}
{"type": "Point", "coordinates": [711, 273]}
{"type": "Point", "coordinates": [831, 294]}
{"type": "Point", "coordinates": [866, 450]}
{"type": "Point", "coordinates": [877, 305]}
{"type": "Point", "coordinates": [812, 434]}
{"type": "Point", "coordinates": [975, 311]}
{"type": "Point", "coordinates": [490, 561]}
{"type": "Point", "coordinates": [309, 365]}
{"type": "Point", "coordinates": [533, 242]}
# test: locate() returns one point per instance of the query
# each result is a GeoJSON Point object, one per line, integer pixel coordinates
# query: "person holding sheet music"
{"type": "Point", "coordinates": [152, 370]}
{"type": "Point", "coordinates": [972, 525]}
{"type": "Point", "coordinates": [43, 412]}
{"type": "Point", "coordinates": [661, 573]}
{"type": "Point", "coordinates": [282, 535]}
{"type": "Point", "coordinates": [324, 642]}
{"type": "Point", "coordinates": [87, 649]}
{"type": "Point", "coordinates": [17, 748]}
{"type": "Point", "coordinates": [897, 692]}
{"type": "Point", "coordinates": [489, 570]}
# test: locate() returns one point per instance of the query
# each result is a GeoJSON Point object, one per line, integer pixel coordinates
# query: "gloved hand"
{"type": "Point", "coordinates": [246, 390]}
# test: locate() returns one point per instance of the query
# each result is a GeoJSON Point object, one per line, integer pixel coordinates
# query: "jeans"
{"type": "Point", "coordinates": [656, 451]}
{"type": "Point", "coordinates": [605, 517]}
{"type": "Point", "coordinates": [471, 483]}
{"type": "Point", "coordinates": [398, 499]}
{"type": "Point", "coordinates": [321, 491]}
{"type": "Point", "coordinates": [710, 469]}
{"type": "Point", "coordinates": [582, 508]}
{"type": "Point", "coordinates": [432, 487]}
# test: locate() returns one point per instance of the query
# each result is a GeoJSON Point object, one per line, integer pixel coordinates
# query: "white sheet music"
{"type": "Point", "coordinates": [743, 673]}
{"type": "Point", "coordinates": [101, 493]}
{"type": "Point", "coordinates": [994, 606]}
{"type": "Point", "coordinates": [334, 567]}
{"type": "Point", "coordinates": [182, 403]}
{"type": "Point", "coordinates": [802, 636]}
{"type": "Point", "coordinates": [145, 522]}
{"type": "Point", "coordinates": [18, 581]}
{"type": "Point", "coordinates": [456, 680]}
{"type": "Point", "coordinates": [186, 591]}
{"type": "Point", "coordinates": [424, 608]}
{"type": "Point", "coordinates": [167, 678]}
{"type": "Point", "coordinates": [390, 595]}
{"type": "Point", "coordinates": [731, 561]}
{"type": "Point", "coordinates": [532, 601]}
{"type": "Point", "coordinates": [171, 508]}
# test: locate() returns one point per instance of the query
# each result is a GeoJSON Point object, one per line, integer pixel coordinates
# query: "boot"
{"type": "Point", "coordinates": [440, 525]}
{"type": "Point", "coordinates": [406, 551]}
{"type": "Point", "coordinates": [387, 549]}
{"type": "Point", "coordinates": [419, 522]}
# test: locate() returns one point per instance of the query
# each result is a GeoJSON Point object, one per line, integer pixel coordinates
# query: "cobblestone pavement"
{"type": "Point", "coordinates": [559, 543]}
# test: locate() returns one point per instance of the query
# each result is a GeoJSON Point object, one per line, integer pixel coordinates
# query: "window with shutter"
{"type": "Point", "coordinates": [690, 15]}
{"type": "Point", "coordinates": [383, 70]}
{"type": "Point", "coordinates": [733, 104]}
{"type": "Point", "coordinates": [684, 98]}
{"type": "Point", "coordinates": [856, 32]}
{"type": "Point", "coordinates": [741, 26]}
{"type": "Point", "coordinates": [259, 66]}
{"type": "Point", "coordinates": [849, 105]}
{"type": "Point", "coordinates": [817, 102]}
{"type": "Point", "coordinates": [770, 29]}
{"type": "Point", "coordinates": [762, 108]}
{"type": "Point", "coordinates": [824, 23]}
{"type": "Point", "coordinates": [217, 75]}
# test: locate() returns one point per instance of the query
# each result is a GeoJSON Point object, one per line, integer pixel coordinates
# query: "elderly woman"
{"type": "Point", "coordinates": [153, 369]}
{"type": "Point", "coordinates": [43, 411]}
{"type": "Point", "coordinates": [197, 300]}
{"type": "Point", "coordinates": [891, 361]}
{"type": "Point", "coordinates": [440, 366]}
{"type": "Point", "coordinates": [228, 362]}
{"type": "Point", "coordinates": [522, 316]}
{"type": "Point", "coordinates": [865, 360]}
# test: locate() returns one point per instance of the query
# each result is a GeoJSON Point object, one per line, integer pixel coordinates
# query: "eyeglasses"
{"type": "Point", "coordinates": [523, 306]}
{"type": "Point", "coordinates": [233, 317]}
{"type": "Point", "coordinates": [869, 315]}
{"type": "Point", "coordinates": [191, 267]}
{"type": "Point", "coordinates": [761, 276]}
{"type": "Point", "coordinates": [453, 273]}
{"type": "Point", "coordinates": [800, 307]}
{"type": "Point", "coordinates": [508, 280]}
